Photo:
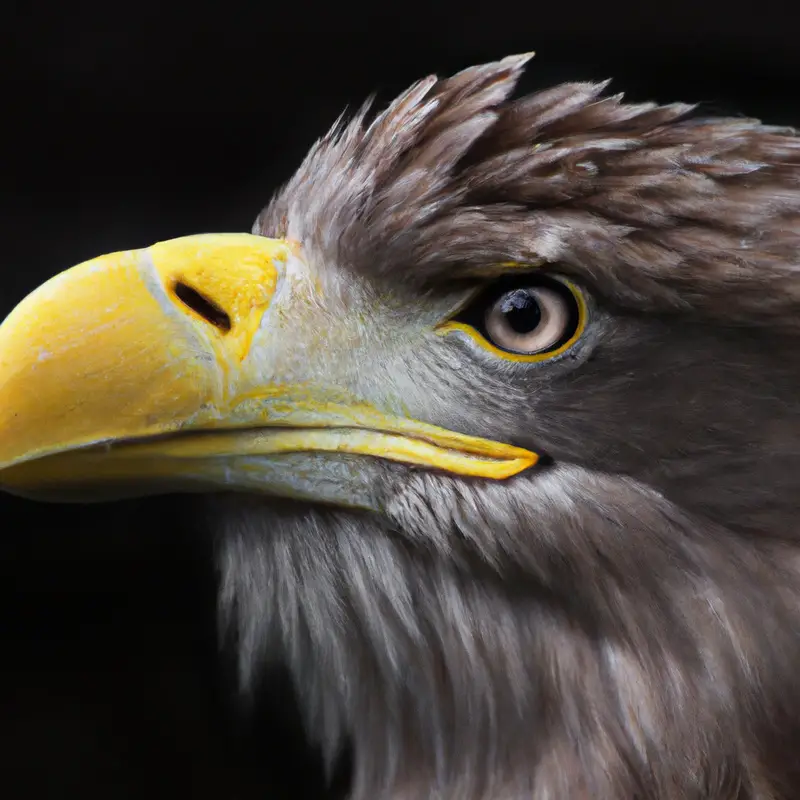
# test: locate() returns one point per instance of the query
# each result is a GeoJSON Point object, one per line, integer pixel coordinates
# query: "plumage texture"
{"type": "Point", "coordinates": [623, 622]}
{"type": "Point", "coordinates": [662, 212]}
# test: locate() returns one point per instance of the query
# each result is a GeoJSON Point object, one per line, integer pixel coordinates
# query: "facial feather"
{"type": "Point", "coordinates": [621, 622]}
{"type": "Point", "coordinates": [659, 211]}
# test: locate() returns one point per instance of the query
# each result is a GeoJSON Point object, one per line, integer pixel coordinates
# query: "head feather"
{"type": "Point", "coordinates": [623, 622]}
{"type": "Point", "coordinates": [651, 207]}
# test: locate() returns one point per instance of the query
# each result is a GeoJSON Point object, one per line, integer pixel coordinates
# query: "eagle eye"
{"type": "Point", "coordinates": [524, 318]}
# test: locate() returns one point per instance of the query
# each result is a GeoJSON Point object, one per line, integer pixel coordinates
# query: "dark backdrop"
{"type": "Point", "coordinates": [127, 124]}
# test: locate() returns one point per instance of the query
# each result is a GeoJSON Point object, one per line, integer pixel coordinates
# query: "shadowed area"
{"type": "Point", "coordinates": [112, 681]}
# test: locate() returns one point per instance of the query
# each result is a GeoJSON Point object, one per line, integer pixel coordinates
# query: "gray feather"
{"type": "Point", "coordinates": [624, 622]}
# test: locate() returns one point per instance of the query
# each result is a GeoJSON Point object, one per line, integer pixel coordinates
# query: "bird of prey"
{"type": "Point", "coordinates": [496, 415]}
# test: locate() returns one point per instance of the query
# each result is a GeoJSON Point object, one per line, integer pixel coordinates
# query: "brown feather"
{"type": "Point", "coordinates": [621, 623]}
{"type": "Point", "coordinates": [657, 208]}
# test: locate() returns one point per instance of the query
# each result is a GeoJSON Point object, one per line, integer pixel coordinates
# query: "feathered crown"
{"type": "Point", "coordinates": [654, 208]}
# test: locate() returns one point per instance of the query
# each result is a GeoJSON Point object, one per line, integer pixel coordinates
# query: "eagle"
{"type": "Point", "coordinates": [494, 417]}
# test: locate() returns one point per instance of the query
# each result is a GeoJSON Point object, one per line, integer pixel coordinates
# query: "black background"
{"type": "Point", "coordinates": [122, 125]}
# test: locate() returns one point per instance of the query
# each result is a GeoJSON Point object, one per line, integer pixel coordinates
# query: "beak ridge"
{"type": "Point", "coordinates": [119, 347]}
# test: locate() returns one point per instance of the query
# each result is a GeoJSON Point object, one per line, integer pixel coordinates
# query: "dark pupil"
{"type": "Point", "coordinates": [521, 310]}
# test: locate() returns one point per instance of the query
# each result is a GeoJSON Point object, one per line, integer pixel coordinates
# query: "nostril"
{"type": "Point", "coordinates": [201, 305]}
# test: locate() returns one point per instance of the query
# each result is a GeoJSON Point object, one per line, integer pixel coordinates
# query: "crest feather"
{"type": "Point", "coordinates": [653, 208]}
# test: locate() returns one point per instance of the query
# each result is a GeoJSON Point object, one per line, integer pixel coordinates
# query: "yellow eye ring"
{"type": "Point", "coordinates": [471, 330]}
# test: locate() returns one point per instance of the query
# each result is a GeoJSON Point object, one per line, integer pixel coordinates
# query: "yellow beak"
{"type": "Point", "coordinates": [139, 367]}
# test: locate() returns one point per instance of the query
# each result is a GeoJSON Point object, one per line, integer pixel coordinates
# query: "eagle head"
{"type": "Point", "coordinates": [498, 422]}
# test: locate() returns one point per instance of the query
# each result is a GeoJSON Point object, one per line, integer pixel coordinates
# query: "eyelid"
{"type": "Point", "coordinates": [463, 305]}
{"type": "Point", "coordinates": [478, 289]}
{"type": "Point", "coordinates": [452, 326]}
